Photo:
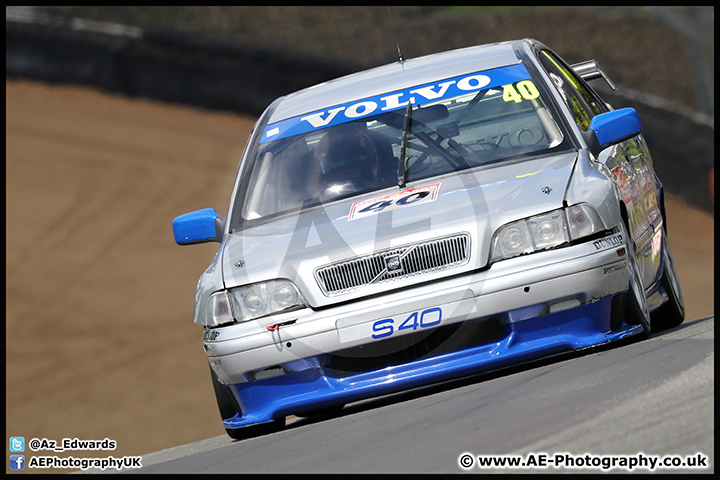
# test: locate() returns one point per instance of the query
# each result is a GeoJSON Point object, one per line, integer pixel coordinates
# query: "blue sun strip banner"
{"type": "Point", "coordinates": [386, 102]}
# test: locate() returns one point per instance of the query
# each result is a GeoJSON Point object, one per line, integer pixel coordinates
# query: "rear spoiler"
{"type": "Point", "coordinates": [591, 70]}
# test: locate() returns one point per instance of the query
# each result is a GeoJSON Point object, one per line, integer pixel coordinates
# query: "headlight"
{"type": "Point", "coordinates": [547, 231]}
{"type": "Point", "coordinates": [261, 299]}
{"type": "Point", "coordinates": [583, 221]}
{"type": "Point", "coordinates": [219, 309]}
{"type": "Point", "coordinates": [511, 240]}
{"type": "Point", "coordinates": [544, 231]}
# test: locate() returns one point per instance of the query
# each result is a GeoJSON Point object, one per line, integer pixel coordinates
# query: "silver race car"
{"type": "Point", "coordinates": [427, 220]}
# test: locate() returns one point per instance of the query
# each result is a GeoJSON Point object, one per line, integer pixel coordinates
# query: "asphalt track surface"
{"type": "Point", "coordinates": [100, 342]}
{"type": "Point", "coordinates": [645, 399]}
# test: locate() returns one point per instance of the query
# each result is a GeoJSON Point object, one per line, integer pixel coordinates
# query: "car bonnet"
{"type": "Point", "coordinates": [473, 203]}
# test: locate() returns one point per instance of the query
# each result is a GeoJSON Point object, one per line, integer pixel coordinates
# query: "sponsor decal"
{"type": "Point", "coordinates": [395, 100]}
{"type": "Point", "coordinates": [211, 334]}
{"type": "Point", "coordinates": [614, 241]}
{"type": "Point", "coordinates": [393, 201]}
{"type": "Point", "coordinates": [614, 268]}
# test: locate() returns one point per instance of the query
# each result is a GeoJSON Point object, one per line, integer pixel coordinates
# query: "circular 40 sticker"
{"type": "Point", "coordinates": [392, 201]}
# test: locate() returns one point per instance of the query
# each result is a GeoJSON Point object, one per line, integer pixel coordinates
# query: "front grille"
{"type": "Point", "coordinates": [394, 264]}
{"type": "Point", "coordinates": [400, 350]}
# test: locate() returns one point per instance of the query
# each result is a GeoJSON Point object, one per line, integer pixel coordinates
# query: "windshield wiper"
{"type": "Point", "coordinates": [403, 164]}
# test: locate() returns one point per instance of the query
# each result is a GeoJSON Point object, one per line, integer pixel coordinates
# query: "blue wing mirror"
{"type": "Point", "coordinates": [611, 128]}
{"type": "Point", "coordinates": [200, 226]}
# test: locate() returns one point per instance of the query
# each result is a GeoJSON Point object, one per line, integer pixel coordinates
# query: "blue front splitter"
{"type": "Point", "coordinates": [582, 327]}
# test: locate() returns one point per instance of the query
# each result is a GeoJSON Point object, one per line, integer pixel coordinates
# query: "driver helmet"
{"type": "Point", "coordinates": [346, 154]}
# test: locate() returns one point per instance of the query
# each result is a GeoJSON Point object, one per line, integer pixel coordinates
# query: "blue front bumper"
{"type": "Point", "coordinates": [582, 327]}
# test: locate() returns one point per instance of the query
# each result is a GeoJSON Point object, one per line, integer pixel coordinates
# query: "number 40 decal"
{"type": "Point", "coordinates": [425, 319]}
{"type": "Point", "coordinates": [527, 89]}
{"type": "Point", "coordinates": [392, 201]}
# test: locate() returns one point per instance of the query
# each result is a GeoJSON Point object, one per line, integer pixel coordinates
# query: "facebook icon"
{"type": "Point", "coordinates": [17, 462]}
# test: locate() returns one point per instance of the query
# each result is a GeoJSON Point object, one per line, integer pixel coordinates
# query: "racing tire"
{"type": "Point", "coordinates": [672, 312]}
{"type": "Point", "coordinates": [222, 396]}
{"type": "Point", "coordinates": [228, 408]}
{"type": "Point", "coordinates": [636, 306]}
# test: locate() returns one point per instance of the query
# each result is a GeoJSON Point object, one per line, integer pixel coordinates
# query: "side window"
{"type": "Point", "coordinates": [582, 102]}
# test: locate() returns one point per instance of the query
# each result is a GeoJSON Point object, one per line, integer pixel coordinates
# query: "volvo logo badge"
{"type": "Point", "coordinates": [393, 263]}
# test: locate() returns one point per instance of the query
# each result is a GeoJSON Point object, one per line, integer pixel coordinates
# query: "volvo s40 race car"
{"type": "Point", "coordinates": [426, 220]}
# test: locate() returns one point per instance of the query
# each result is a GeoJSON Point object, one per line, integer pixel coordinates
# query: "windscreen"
{"type": "Point", "coordinates": [378, 142]}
